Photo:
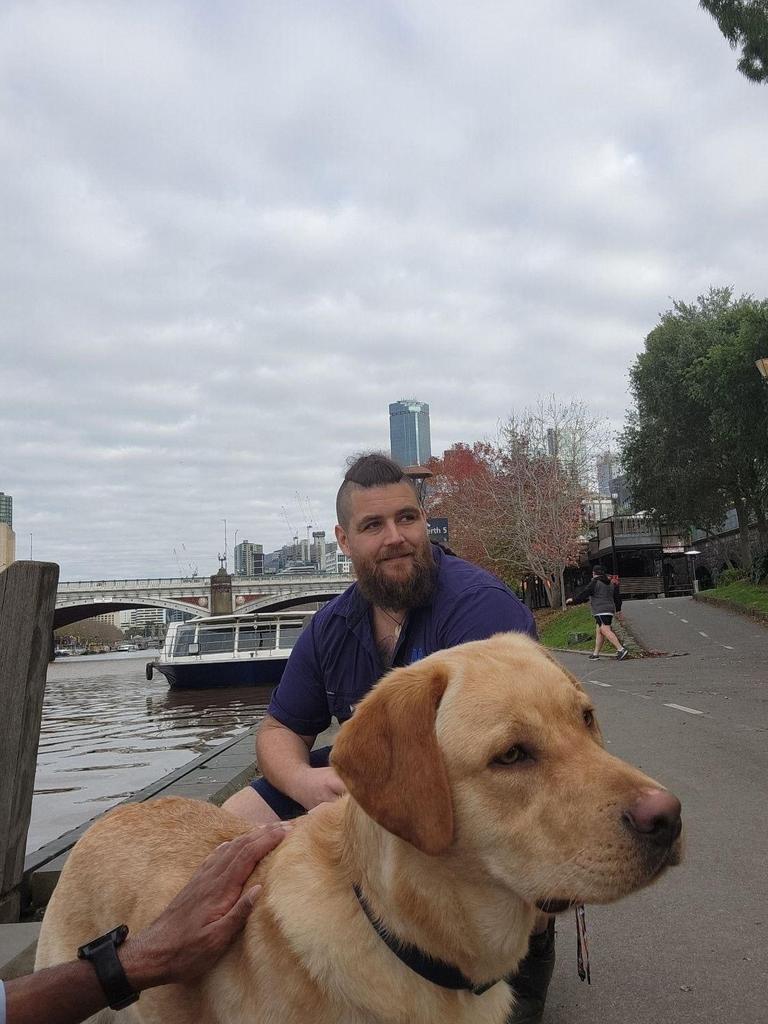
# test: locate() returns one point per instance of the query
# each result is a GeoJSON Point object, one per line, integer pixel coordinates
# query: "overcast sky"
{"type": "Point", "coordinates": [233, 232]}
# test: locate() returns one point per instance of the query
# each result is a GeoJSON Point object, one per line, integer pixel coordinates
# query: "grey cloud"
{"type": "Point", "coordinates": [236, 231]}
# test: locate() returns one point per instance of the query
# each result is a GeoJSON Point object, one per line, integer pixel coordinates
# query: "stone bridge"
{"type": "Point", "coordinates": [220, 594]}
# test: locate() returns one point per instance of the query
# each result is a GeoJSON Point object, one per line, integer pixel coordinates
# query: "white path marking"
{"type": "Point", "coordinates": [642, 696]}
{"type": "Point", "coordinates": [598, 683]}
{"type": "Point", "coordinates": [727, 647]}
{"type": "Point", "coordinates": [685, 621]}
{"type": "Point", "coordinates": [704, 634]}
{"type": "Point", "coordinates": [681, 707]}
{"type": "Point", "coordinates": [670, 613]}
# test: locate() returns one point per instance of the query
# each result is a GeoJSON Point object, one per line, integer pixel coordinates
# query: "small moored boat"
{"type": "Point", "coordinates": [229, 650]}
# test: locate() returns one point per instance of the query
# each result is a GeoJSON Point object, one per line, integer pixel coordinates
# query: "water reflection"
{"type": "Point", "coordinates": [108, 731]}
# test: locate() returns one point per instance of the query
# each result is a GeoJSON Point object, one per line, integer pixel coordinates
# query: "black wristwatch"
{"type": "Point", "coordinates": [102, 953]}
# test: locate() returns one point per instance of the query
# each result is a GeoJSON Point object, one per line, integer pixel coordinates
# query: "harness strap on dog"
{"type": "Point", "coordinates": [436, 971]}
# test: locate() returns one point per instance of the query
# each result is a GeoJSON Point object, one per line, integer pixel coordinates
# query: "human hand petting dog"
{"type": "Point", "coordinates": [198, 925]}
{"type": "Point", "coordinates": [319, 786]}
{"type": "Point", "coordinates": [190, 935]}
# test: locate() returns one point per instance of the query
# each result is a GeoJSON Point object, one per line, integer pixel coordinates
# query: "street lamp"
{"type": "Point", "coordinates": [762, 365]}
{"type": "Point", "coordinates": [234, 549]}
{"type": "Point", "coordinates": [692, 552]}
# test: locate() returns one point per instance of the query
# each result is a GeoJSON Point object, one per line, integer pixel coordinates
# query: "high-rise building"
{"type": "Point", "coordinates": [249, 559]}
{"type": "Point", "coordinates": [608, 467]}
{"type": "Point", "coordinates": [409, 438]}
{"type": "Point", "coordinates": [6, 509]}
{"type": "Point", "coordinates": [319, 549]}
{"type": "Point", "coordinates": [7, 546]}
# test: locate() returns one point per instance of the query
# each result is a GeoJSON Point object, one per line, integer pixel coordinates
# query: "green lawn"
{"type": "Point", "coordinates": [742, 594]}
{"type": "Point", "coordinates": [554, 627]}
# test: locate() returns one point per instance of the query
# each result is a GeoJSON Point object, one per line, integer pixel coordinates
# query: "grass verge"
{"type": "Point", "coordinates": [742, 596]}
{"type": "Point", "coordinates": [554, 627]}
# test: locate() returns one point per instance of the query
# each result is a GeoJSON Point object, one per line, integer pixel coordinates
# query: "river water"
{"type": "Point", "coordinates": [107, 731]}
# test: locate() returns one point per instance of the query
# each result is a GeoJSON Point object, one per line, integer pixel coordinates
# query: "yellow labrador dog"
{"type": "Point", "coordinates": [479, 791]}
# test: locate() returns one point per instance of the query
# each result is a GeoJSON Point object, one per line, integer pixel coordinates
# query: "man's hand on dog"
{"type": "Point", "coordinates": [319, 786]}
{"type": "Point", "coordinates": [198, 925]}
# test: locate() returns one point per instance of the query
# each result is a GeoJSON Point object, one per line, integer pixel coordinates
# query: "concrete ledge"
{"type": "Point", "coordinates": [18, 943]}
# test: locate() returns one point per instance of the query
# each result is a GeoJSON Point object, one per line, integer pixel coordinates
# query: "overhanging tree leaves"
{"type": "Point", "coordinates": [696, 444]}
{"type": "Point", "coordinates": [744, 23]}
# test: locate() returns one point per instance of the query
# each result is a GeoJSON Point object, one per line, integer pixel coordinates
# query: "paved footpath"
{"type": "Point", "coordinates": [692, 948]}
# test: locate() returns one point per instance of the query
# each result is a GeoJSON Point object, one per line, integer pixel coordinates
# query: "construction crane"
{"type": "Point", "coordinates": [305, 508]}
{"type": "Point", "coordinates": [289, 524]}
{"type": "Point", "coordinates": [192, 568]}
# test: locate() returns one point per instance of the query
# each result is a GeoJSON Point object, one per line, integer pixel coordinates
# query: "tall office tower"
{"type": "Point", "coordinates": [6, 509]}
{"type": "Point", "coordinates": [409, 438]}
{"type": "Point", "coordinates": [318, 549]}
{"type": "Point", "coordinates": [608, 467]}
{"type": "Point", "coordinates": [249, 559]}
{"type": "Point", "coordinates": [7, 546]}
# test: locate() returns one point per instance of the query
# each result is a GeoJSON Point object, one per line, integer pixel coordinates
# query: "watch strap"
{"type": "Point", "coordinates": [102, 953]}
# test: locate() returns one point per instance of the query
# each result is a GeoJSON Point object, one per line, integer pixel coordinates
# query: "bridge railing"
{"type": "Point", "coordinates": [202, 581]}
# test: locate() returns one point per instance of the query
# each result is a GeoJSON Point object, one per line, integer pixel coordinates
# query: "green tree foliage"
{"type": "Point", "coordinates": [696, 444]}
{"type": "Point", "coordinates": [744, 23]}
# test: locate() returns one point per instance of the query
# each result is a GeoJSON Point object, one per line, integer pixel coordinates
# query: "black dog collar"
{"type": "Point", "coordinates": [102, 953]}
{"type": "Point", "coordinates": [436, 971]}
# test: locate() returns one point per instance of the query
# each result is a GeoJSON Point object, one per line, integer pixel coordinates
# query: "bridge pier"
{"type": "Point", "coordinates": [221, 593]}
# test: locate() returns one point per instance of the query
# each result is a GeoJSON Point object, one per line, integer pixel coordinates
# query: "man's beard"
{"type": "Point", "coordinates": [399, 594]}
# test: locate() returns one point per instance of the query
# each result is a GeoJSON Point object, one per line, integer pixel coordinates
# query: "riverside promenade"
{"type": "Point", "coordinates": [694, 946]}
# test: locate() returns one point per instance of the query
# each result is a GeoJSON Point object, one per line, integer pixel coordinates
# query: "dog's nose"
{"type": "Point", "coordinates": [656, 815]}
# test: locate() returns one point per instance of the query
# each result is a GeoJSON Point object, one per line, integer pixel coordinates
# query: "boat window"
{"type": "Point", "coordinates": [256, 636]}
{"type": "Point", "coordinates": [289, 633]}
{"type": "Point", "coordinates": [185, 635]}
{"type": "Point", "coordinates": [216, 639]}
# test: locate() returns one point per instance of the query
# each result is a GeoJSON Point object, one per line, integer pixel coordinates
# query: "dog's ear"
{"type": "Point", "coordinates": [389, 759]}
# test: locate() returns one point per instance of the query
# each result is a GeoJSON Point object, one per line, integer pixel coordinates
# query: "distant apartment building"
{"type": "Point", "coordinates": [174, 615]}
{"type": "Point", "coordinates": [147, 616]}
{"type": "Point", "coordinates": [110, 618]}
{"type": "Point", "coordinates": [409, 436]}
{"type": "Point", "coordinates": [6, 509]}
{"type": "Point", "coordinates": [7, 546]}
{"type": "Point", "coordinates": [249, 559]}
{"type": "Point", "coordinates": [342, 564]}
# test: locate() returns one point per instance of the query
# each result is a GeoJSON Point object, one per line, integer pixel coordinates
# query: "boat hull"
{"type": "Point", "coordinates": [208, 674]}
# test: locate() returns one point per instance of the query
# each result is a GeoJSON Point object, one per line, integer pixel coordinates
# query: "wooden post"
{"type": "Point", "coordinates": [27, 601]}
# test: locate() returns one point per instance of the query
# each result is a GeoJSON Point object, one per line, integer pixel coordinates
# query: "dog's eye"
{"type": "Point", "coordinates": [512, 756]}
{"type": "Point", "coordinates": [589, 717]}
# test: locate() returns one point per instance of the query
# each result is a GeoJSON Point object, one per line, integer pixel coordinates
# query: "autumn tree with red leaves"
{"type": "Point", "coordinates": [514, 505]}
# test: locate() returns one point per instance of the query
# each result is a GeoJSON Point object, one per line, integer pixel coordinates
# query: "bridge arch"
{"type": "Point", "coordinates": [67, 612]}
{"type": "Point", "coordinates": [275, 603]}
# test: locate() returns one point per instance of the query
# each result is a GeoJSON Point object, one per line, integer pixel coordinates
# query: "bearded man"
{"type": "Point", "coordinates": [410, 599]}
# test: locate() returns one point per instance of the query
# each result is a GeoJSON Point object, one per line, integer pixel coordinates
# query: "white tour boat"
{"type": "Point", "coordinates": [229, 650]}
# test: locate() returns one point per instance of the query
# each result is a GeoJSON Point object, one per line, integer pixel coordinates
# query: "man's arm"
{"type": "Point", "coordinates": [583, 595]}
{"type": "Point", "coordinates": [184, 941]}
{"type": "Point", "coordinates": [284, 759]}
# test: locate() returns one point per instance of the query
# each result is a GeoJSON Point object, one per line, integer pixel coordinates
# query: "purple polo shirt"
{"type": "Point", "coordinates": [335, 661]}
